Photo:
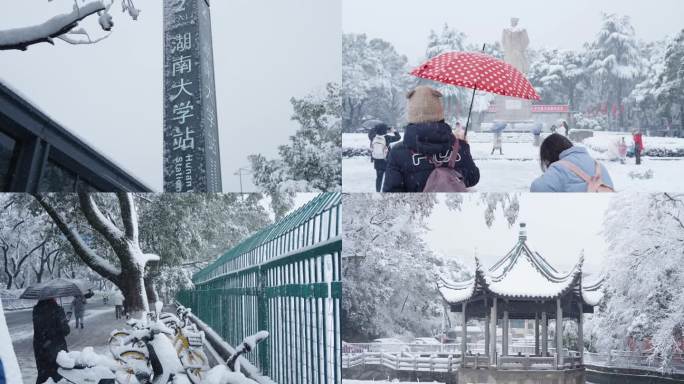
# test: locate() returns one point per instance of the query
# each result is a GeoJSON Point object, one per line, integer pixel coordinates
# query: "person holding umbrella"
{"type": "Point", "coordinates": [50, 324]}
{"type": "Point", "coordinates": [50, 327]}
{"type": "Point", "coordinates": [428, 144]}
{"type": "Point", "coordinates": [497, 142]}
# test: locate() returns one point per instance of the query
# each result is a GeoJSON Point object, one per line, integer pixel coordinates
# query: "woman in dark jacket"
{"type": "Point", "coordinates": [381, 164]}
{"type": "Point", "coordinates": [50, 327]}
{"type": "Point", "coordinates": [426, 135]}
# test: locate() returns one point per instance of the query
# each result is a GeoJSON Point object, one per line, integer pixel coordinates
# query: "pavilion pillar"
{"type": "Point", "coordinates": [504, 331]}
{"type": "Point", "coordinates": [536, 334]}
{"type": "Point", "coordinates": [559, 332]}
{"type": "Point", "coordinates": [492, 334]}
{"type": "Point", "coordinates": [486, 331]}
{"type": "Point", "coordinates": [580, 333]}
{"type": "Point", "coordinates": [545, 334]}
{"type": "Point", "coordinates": [464, 335]}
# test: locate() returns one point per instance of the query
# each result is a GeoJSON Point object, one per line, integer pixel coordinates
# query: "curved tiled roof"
{"type": "Point", "coordinates": [521, 274]}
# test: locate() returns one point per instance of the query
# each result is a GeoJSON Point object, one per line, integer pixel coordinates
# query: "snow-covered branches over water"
{"type": "Point", "coordinates": [312, 160]}
{"type": "Point", "coordinates": [643, 307]}
{"type": "Point", "coordinates": [389, 273]}
{"type": "Point", "coordinates": [64, 24]}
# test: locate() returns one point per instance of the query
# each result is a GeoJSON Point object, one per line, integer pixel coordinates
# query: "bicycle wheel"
{"type": "Point", "coordinates": [196, 364]}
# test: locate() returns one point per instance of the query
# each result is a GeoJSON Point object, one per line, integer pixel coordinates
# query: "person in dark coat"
{"type": "Point", "coordinates": [78, 308]}
{"type": "Point", "coordinates": [426, 136]}
{"type": "Point", "coordinates": [50, 327]}
{"type": "Point", "coordinates": [381, 164]}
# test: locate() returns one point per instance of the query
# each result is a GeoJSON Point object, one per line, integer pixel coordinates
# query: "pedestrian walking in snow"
{"type": "Point", "coordinates": [78, 308]}
{"type": "Point", "coordinates": [381, 136]}
{"type": "Point", "coordinates": [459, 132]}
{"type": "Point", "coordinates": [428, 143]}
{"type": "Point", "coordinates": [496, 143]}
{"type": "Point", "coordinates": [50, 327]}
{"type": "Point", "coordinates": [566, 127]}
{"type": "Point", "coordinates": [622, 150]}
{"type": "Point", "coordinates": [117, 300]}
{"type": "Point", "coordinates": [569, 168]}
{"type": "Point", "coordinates": [554, 128]}
{"type": "Point", "coordinates": [638, 145]}
{"type": "Point", "coordinates": [536, 132]}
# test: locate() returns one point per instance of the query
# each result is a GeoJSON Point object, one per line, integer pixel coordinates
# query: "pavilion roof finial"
{"type": "Point", "coordinates": [523, 232]}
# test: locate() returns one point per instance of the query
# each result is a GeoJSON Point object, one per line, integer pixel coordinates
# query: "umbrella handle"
{"type": "Point", "coordinates": [472, 100]}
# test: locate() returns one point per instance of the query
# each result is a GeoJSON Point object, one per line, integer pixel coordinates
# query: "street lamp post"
{"type": "Point", "coordinates": [239, 173]}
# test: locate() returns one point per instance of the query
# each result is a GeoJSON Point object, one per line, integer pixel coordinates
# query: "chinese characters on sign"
{"type": "Point", "coordinates": [191, 152]}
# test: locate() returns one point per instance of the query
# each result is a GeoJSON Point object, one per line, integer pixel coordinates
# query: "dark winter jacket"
{"type": "Point", "coordinates": [408, 165]}
{"type": "Point", "coordinates": [381, 164]}
{"type": "Point", "coordinates": [50, 327]}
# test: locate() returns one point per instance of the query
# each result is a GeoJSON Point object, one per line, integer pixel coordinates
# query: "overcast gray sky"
{"type": "Point", "coordinates": [559, 227]}
{"type": "Point", "coordinates": [558, 24]}
{"type": "Point", "coordinates": [110, 93]}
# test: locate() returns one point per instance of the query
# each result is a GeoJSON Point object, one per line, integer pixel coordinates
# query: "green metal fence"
{"type": "Point", "coordinates": [285, 279]}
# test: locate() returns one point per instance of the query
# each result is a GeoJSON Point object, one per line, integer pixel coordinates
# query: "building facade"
{"type": "Point", "coordinates": [39, 155]}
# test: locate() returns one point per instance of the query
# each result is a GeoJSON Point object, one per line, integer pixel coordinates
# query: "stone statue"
{"type": "Point", "coordinates": [514, 41]}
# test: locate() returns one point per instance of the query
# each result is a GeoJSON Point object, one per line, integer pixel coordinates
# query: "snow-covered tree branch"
{"type": "Point", "coordinates": [130, 275]}
{"type": "Point", "coordinates": [65, 25]}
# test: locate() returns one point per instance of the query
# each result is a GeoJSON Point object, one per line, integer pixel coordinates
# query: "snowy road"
{"type": "Point", "coordinates": [515, 170]}
{"type": "Point", "coordinates": [99, 322]}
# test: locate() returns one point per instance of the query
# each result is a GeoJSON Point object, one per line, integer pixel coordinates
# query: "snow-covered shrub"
{"type": "Point", "coordinates": [596, 123]}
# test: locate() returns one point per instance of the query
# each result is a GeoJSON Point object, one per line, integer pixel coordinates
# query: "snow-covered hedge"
{"type": "Point", "coordinates": [597, 123]}
{"type": "Point", "coordinates": [653, 146]}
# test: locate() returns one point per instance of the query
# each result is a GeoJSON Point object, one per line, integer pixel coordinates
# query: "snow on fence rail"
{"type": "Point", "coordinates": [285, 279]}
{"type": "Point", "coordinates": [635, 360]}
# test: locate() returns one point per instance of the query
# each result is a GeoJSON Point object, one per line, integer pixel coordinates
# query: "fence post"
{"type": "Point", "coordinates": [262, 308]}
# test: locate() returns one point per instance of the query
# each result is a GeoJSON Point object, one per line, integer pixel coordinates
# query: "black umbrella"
{"type": "Point", "coordinates": [57, 288]}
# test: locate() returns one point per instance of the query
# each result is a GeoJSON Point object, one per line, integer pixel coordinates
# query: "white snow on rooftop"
{"type": "Point", "coordinates": [521, 273]}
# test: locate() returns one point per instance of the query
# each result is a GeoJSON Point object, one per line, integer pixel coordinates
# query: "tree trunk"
{"type": "Point", "coordinates": [132, 288]}
{"type": "Point", "coordinates": [129, 277]}
{"type": "Point", "coordinates": [621, 119]}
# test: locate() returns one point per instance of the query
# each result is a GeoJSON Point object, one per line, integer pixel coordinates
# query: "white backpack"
{"type": "Point", "coordinates": [379, 148]}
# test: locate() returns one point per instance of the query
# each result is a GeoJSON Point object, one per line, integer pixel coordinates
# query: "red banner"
{"type": "Point", "coordinates": [539, 108]}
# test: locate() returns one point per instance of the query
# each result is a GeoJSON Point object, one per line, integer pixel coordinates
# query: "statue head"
{"type": "Point", "coordinates": [514, 21]}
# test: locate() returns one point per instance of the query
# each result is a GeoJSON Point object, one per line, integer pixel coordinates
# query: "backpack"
{"type": "Point", "coordinates": [594, 183]}
{"type": "Point", "coordinates": [379, 148]}
{"type": "Point", "coordinates": [445, 178]}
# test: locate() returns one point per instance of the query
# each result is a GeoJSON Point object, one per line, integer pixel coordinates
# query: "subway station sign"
{"type": "Point", "coordinates": [191, 148]}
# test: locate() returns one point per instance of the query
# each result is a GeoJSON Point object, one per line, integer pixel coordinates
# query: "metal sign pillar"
{"type": "Point", "coordinates": [191, 148]}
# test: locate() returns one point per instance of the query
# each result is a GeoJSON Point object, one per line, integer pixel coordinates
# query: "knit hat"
{"type": "Point", "coordinates": [424, 105]}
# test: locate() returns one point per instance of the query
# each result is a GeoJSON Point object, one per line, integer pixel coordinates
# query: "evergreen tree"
{"type": "Point", "coordinates": [614, 60]}
{"type": "Point", "coordinates": [670, 84]}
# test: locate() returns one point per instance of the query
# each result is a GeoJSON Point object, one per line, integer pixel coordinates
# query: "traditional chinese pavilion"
{"type": "Point", "coordinates": [522, 285]}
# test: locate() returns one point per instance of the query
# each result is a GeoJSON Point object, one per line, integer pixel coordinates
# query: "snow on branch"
{"type": "Point", "coordinates": [63, 26]}
{"type": "Point", "coordinates": [129, 215]}
{"type": "Point", "coordinates": [98, 220]}
{"type": "Point", "coordinates": [93, 260]}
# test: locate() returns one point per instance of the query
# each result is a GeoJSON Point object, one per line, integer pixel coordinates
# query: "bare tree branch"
{"type": "Point", "coordinates": [129, 215]}
{"type": "Point", "coordinates": [94, 261]}
{"type": "Point", "coordinates": [98, 220]}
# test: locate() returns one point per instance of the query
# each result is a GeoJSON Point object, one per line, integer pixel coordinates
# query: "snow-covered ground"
{"type": "Point", "coordinates": [515, 170]}
{"type": "Point", "coordinates": [344, 381]}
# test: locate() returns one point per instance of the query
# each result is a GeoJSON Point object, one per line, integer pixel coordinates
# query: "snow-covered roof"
{"type": "Point", "coordinates": [521, 274]}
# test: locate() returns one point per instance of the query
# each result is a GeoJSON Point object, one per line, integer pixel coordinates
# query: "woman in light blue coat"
{"type": "Point", "coordinates": [567, 168]}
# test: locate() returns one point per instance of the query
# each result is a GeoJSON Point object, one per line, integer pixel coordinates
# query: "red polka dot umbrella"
{"type": "Point", "coordinates": [477, 71]}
